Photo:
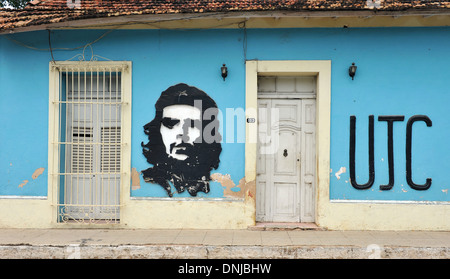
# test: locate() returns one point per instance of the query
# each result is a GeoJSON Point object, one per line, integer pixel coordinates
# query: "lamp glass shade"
{"type": "Point", "coordinates": [352, 70]}
{"type": "Point", "coordinates": [224, 71]}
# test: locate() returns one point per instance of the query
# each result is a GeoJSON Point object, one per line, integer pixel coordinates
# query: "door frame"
{"type": "Point", "coordinates": [321, 69]}
{"type": "Point", "coordinates": [56, 70]}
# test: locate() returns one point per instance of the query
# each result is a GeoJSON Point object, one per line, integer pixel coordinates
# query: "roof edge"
{"type": "Point", "coordinates": [253, 19]}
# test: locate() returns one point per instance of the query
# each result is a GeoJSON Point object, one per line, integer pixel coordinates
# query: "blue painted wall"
{"type": "Point", "coordinates": [401, 71]}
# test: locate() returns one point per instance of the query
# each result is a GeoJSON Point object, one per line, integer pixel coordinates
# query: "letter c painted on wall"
{"type": "Point", "coordinates": [413, 119]}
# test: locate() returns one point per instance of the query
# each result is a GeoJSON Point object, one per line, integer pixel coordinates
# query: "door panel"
{"type": "Point", "coordinates": [286, 159]}
{"type": "Point", "coordinates": [263, 140]}
{"type": "Point", "coordinates": [278, 171]}
{"type": "Point", "coordinates": [284, 201]}
{"type": "Point", "coordinates": [308, 161]}
{"type": "Point", "coordinates": [285, 174]}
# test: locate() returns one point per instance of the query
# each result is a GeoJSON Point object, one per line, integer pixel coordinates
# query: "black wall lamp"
{"type": "Point", "coordinates": [224, 71]}
{"type": "Point", "coordinates": [352, 70]}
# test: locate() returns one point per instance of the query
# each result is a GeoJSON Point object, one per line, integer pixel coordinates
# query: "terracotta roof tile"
{"type": "Point", "coordinates": [40, 12]}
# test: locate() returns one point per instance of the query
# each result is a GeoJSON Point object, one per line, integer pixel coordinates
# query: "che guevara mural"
{"type": "Point", "coordinates": [183, 141]}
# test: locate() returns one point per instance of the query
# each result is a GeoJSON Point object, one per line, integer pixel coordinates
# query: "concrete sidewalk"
{"type": "Point", "coordinates": [221, 244]}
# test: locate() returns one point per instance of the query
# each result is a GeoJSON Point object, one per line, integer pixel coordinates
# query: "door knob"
{"type": "Point", "coordinates": [285, 153]}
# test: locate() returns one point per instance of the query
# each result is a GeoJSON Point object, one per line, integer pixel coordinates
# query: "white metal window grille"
{"type": "Point", "coordinates": [89, 143]}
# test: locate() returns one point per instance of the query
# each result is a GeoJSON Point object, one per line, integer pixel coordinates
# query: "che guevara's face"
{"type": "Point", "coordinates": [180, 127]}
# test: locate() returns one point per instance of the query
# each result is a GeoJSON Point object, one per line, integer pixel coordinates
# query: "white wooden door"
{"type": "Point", "coordinates": [286, 171]}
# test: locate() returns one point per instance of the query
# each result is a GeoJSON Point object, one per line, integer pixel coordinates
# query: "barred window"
{"type": "Point", "coordinates": [87, 125]}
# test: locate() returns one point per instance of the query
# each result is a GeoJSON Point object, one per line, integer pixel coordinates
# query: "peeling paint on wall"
{"type": "Point", "coordinates": [226, 181]}
{"type": "Point", "coordinates": [34, 176]}
{"type": "Point", "coordinates": [250, 192]}
{"type": "Point", "coordinates": [341, 171]}
{"type": "Point", "coordinates": [243, 190]}
{"type": "Point", "coordinates": [135, 181]}
{"type": "Point", "coordinates": [37, 172]}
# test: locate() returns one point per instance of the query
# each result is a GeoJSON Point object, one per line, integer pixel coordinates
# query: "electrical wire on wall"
{"type": "Point", "coordinates": [241, 24]}
{"type": "Point", "coordinates": [50, 45]}
{"type": "Point", "coordinates": [51, 49]}
{"type": "Point", "coordinates": [59, 48]}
